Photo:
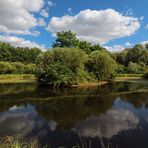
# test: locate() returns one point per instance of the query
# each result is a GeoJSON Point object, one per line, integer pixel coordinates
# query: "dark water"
{"type": "Point", "coordinates": [70, 117]}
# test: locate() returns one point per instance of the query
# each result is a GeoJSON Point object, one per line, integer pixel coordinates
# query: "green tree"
{"type": "Point", "coordinates": [133, 68]}
{"type": "Point", "coordinates": [61, 66]}
{"type": "Point", "coordinates": [6, 68]}
{"type": "Point", "coordinates": [65, 39]}
{"type": "Point", "coordinates": [85, 46]}
{"type": "Point", "coordinates": [102, 65]}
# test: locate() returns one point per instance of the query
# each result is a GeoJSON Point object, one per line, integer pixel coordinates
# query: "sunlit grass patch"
{"type": "Point", "coordinates": [15, 142]}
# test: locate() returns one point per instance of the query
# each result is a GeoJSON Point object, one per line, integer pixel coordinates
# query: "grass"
{"type": "Point", "coordinates": [129, 75]}
{"type": "Point", "coordinates": [17, 78]}
{"type": "Point", "coordinates": [13, 142]}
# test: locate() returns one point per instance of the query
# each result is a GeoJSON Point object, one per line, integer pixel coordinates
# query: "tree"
{"type": "Point", "coordinates": [61, 66]}
{"type": "Point", "coordinates": [134, 54]}
{"type": "Point", "coordinates": [18, 54]}
{"type": "Point", "coordinates": [65, 39]}
{"type": "Point", "coordinates": [102, 65]}
{"type": "Point", "coordinates": [134, 68]}
{"type": "Point", "coordinates": [6, 68]}
{"type": "Point", "coordinates": [85, 46]}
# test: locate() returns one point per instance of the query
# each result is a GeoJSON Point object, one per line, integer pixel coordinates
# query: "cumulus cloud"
{"type": "Point", "coordinates": [17, 16]}
{"type": "Point", "coordinates": [20, 42]}
{"type": "Point", "coordinates": [44, 13]}
{"type": "Point", "coordinates": [144, 42]}
{"type": "Point", "coordinates": [41, 22]}
{"type": "Point", "coordinates": [107, 125]}
{"type": "Point", "coordinates": [51, 3]}
{"type": "Point", "coordinates": [128, 44]}
{"type": "Point", "coordinates": [115, 48]}
{"type": "Point", "coordinates": [146, 27]}
{"type": "Point", "coordinates": [96, 26]}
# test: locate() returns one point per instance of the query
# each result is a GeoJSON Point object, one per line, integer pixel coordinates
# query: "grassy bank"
{"type": "Point", "coordinates": [13, 142]}
{"type": "Point", "coordinates": [30, 78]}
{"type": "Point", "coordinates": [14, 78]}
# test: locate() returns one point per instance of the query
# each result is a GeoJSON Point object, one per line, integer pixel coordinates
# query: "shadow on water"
{"type": "Point", "coordinates": [70, 117]}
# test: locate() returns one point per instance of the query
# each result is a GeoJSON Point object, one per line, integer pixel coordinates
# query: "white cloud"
{"type": "Point", "coordinates": [69, 9]}
{"type": "Point", "coordinates": [146, 27]}
{"type": "Point", "coordinates": [141, 18]}
{"type": "Point", "coordinates": [41, 22]}
{"type": "Point", "coordinates": [51, 3]}
{"type": "Point", "coordinates": [44, 13]}
{"type": "Point", "coordinates": [129, 12]}
{"type": "Point", "coordinates": [17, 16]}
{"type": "Point", "coordinates": [128, 44]}
{"type": "Point", "coordinates": [96, 26]}
{"type": "Point", "coordinates": [144, 42]}
{"type": "Point", "coordinates": [20, 42]}
{"type": "Point", "coordinates": [115, 48]}
{"type": "Point", "coordinates": [107, 125]}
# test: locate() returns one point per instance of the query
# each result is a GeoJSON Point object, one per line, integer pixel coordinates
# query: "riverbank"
{"type": "Point", "coordinates": [22, 78]}
{"type": "Point", "coordinates": [30, 78]}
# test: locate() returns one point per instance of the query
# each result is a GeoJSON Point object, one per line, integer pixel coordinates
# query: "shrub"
{"type": "Point", "coordinates": [102, 65]}
{"type": "Point", "coordinates": [61, 66]}
{"type": "Point", "coordinates": [6, 68]}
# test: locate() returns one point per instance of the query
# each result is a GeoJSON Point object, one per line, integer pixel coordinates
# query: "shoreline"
{"type": "Point", "coordinates": [32, 79]}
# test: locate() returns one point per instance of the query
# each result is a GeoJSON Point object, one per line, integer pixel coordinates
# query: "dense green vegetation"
{"type": "Point", "coordinates": [72, 61]}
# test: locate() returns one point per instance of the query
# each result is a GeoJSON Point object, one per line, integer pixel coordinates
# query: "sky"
{"type": "Point", "coordinates": [113, 24]}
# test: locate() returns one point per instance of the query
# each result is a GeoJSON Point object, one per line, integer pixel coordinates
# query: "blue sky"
{"type": "Point", "coordinates": [112, 23]}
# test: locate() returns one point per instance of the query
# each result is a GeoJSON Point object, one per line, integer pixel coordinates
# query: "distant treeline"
{"type": "Point", "coordinates": [25, 55]}
{"type": "Point", "coordinates": [72, 61]}
{"type": "Point", "coordinates": [17, 60]}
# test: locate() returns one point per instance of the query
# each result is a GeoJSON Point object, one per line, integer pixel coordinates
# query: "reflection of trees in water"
{"type": "Point", "coordinates": [6, 89]}
{"type": "Point", "coordinates": [67, 112]}
{"type": "Point", "coordinates": [137, 99]}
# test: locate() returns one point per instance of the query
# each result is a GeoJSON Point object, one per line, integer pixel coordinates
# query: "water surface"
{"type": "Point", "coordinates": [116, 112]}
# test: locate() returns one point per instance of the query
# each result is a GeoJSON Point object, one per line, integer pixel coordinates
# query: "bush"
{"type": "Point", "coordinates": [102, 65]}
{"type": "Point", "coordinates": [30, 69]}
{"type": "Point", "coordinates": [16, 68]}
{"type": "Point", "coordinates": [6, 68]}
{"type": "Point", "coordinates": [61, 66]}
{"type": "Point", "coordinates": [19, 68]}
{"type": "Point", "coordinates": [135, 68]}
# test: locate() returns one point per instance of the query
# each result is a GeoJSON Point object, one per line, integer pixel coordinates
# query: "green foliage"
{"type": "Point", "coordinates": [135, 68]}
{"type": "Point", "coordinates": [17, 76]}
{"type": "Point", "coordinates": [6, 68]}
{"type": "Point", "coordinates": [102, 65]}
{"type": "Point", "coordinates": [69, 40]}
{"type": "Point", "coordinates": [30, 68]}
{"type": "Point", "coordinates": [65, 39]}
{"type": "Point", "coordinates": [61, 66]}
{"type": "Point", "coordinates": [19, 54]}
{"type": "Point", "coordinates": [16, 68]}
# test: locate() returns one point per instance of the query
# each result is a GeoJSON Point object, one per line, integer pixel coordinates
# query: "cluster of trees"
{"type": "Point", "coordinates": [133, 60]}
{"type": "Point", "coordinates": [16, 68]}
{"type": "Point", "coordinates": [18, 54]}
{"type": "Point", "coordinates": [72, 61]}
{"type": "Point", "coordinates": [17, 60]}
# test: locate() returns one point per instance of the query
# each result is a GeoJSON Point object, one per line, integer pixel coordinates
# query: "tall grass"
{"type": "Point", "coordinates": [14, 142]}
{"type": "Point", "coordinates": [17, 76]}
{"type": "Point", "coordinates": [129, 75]}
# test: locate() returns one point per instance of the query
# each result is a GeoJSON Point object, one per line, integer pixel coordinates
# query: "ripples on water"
{"type": "Point", "coordinates": [70, 117]}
